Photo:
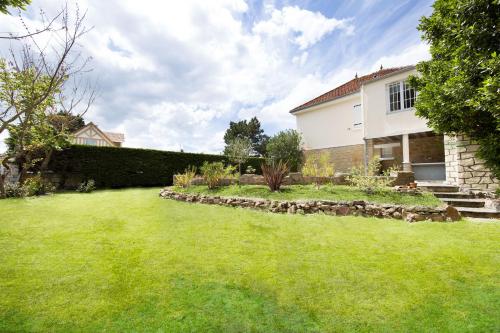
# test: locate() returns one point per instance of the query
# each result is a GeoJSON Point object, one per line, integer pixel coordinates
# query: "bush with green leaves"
{"type": "Point", "coordinates": [274, 173]}
{"type": "Point", "coordinates": [213, 173]}
{"type": "Point", "coordinates": [86, 186]}
{"type": "Point", "coordinates": [184, 179]}
{"type": "Point", "coordinates": [286, 146]}
{"type": "Point", "coordinates": [14, 190]}
{"type": "Point", "coordinates": [370, 181]}
{"type": "Point", "coordinates": [318, 165]}
{"type": "Point", "coordinates": [250, 170]}
{"type": "Point", "coordinates": [36, 185]}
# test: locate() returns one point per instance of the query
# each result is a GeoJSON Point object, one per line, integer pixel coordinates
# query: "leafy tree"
{"type": "Point", "coordinates": [459, 88]}
{"type": "Point", "coordinates": [286, 146]}
{"type": "Point", "coordinates": [33, 83]}
{"type": "Point", "coordinates": [66, 121]}
{"type": "Point", "coordinates": [239, 151]}
{"type": "Point", "coordinates": [250, 130]}
{"type": "Point", "coordinates": [21, 4]}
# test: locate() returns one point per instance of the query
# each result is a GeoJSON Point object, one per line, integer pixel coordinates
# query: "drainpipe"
{"type": "Point", "coordinates": [365, 155]}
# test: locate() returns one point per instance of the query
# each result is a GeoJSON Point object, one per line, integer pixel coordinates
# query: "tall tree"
{"type": "Point", "coordinates": [247, 130]}
{"type": "Point", "coordinates": [36, 80]}
{"type": "Point", "coordinates": [459, 88]}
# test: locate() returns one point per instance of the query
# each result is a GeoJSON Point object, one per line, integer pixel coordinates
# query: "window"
{"type": "Point", "coordinates": [409, 95]}
{"type": "Point", "coordinates": [91, 142]}
{"type": "Point", "coordinates": [394, 97]}
{"type": "Point", "coordinates": [357, 116]}
{"type": "Point", "coordinates": [386, 153]}
{"type": "Point", "coordinates": [399, 89]}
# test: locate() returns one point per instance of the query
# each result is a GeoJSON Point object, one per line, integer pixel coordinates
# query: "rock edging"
{"type": "Point", "coordinates": [341, 208]}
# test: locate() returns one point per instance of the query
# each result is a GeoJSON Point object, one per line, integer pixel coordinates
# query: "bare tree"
{"type": "Point", "coordinates": [43, 78]}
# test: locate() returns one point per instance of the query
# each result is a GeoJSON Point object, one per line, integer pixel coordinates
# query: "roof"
{"type": "Point", "coordinates": [351, 87]}
{"type": "Point", "coordinates": [111, 137]}
{"type": "Point", "coordinates": [115, 137]}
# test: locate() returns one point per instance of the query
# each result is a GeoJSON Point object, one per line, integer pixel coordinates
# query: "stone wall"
{"type": "Point", "coordinates": [464, 168]}
{"type": "Point", "coordinates": [358, 208]}
{"type": "Point", "coordinates": [343, 158]}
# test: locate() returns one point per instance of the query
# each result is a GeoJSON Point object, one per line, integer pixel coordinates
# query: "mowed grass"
{"type": "Point", "coordinates": [325, 192]}
{"type": "Point", "coordinates": [127, 260]}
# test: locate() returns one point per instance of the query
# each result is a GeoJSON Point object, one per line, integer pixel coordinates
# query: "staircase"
{"type": "Point", "coordinates": [467, 204]}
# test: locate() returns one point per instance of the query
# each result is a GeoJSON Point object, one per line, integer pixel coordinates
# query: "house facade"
{"type": "Point", "coordinates": [374, 115]}
{"type": "Point", "coordinates": [91, 135]}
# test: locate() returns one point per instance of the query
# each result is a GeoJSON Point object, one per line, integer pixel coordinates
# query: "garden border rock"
{"type": "Point", "coordinates": [341, 208]}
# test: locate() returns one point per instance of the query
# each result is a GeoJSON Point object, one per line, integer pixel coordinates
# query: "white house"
{"type": "Point", "coordinates": [91, 135]}
{"type": "Point", "coordinates": [373, 115]}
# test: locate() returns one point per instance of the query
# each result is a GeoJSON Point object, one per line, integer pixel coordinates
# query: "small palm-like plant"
{"type": "Point", "coordinates": [184, 179]}
{"type": "Point", "coordinates": [274, 174]}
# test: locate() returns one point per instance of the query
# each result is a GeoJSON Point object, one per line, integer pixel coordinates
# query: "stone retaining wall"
{"type": "Point", "coordinates": [464, 168]}
{"type": "Point", "coordinates": [341, 208]}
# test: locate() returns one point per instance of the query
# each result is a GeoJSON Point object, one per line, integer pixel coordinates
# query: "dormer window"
{"type": "Point", "coordinates": [400, 96]}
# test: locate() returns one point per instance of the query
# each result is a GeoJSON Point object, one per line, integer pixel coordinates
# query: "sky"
{"type": "Point", "coordinates": [172, 74]}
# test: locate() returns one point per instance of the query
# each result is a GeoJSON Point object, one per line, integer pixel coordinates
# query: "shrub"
{"type": "Point", "coordinates": [318, 166]}
{"type": "Point", "coordinates": [36, 186]}
{"type": "Point", "coordinates": [126, 167]}
{"type": "Point", "coordinates": [369, 181]}
{"type": "Point", "coordinates": [274, 173]}
{"type": "Point", "coordinates": [184, 179]}
{"type": "Point", "coordinates": [286, 147]}
{"type": "Point", "coordinates": [86, 187]}
{"type": "Point", "coordinates": [250, 170]}
{"type": "Point", "coordinates": [213, 173]}
{"type": "Point", "coordinates": [14, 190]}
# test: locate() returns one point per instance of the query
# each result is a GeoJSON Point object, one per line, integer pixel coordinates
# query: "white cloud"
{"type": "Point", "coordinates": [409, 56]}
{"type": "Point", "coordinates": [305, 27]}
{"type": "Point", "coordinates": [174, 73]}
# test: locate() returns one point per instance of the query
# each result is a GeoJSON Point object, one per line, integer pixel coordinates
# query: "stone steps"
{"type": "Point", "coordinates": [459, 202]}
{"type": "Point", "coordinates": [439, 188]}
{"type": "Point", "coordinates": [453, 195]}
{"type": "Point", "coordinates": [479, 212]}
{"type": "Point", "coordinates": [466, 203]}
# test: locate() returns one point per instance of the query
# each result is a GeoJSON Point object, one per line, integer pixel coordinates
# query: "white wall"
{"type": "Point", "coordinates": [330, 124]}
{"type": "Point", "coordinates": [380, 123]}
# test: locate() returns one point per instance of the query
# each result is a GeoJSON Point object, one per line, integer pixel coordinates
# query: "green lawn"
{"type": "Point", "coordinates": [129, 261]}
{"type": "Point", "coordinates": [335, 193]}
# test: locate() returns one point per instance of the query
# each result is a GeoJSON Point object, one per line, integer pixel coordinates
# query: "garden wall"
{"type": "Point", "coordinates": [112, 167]}
{"type": "Point", "coordinates": [359, 208]}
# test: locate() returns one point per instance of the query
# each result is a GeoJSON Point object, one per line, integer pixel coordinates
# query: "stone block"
{"type": "Point", "coordinates": [468, 162]}
{"type": "Point", "coordinates": [464, 156]}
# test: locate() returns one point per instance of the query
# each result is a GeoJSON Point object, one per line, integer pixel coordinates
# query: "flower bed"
{"type": "Point", "coordinates": [363, 208]}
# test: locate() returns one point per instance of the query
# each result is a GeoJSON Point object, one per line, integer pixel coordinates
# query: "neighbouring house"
{"type": "Point", "coordinates": [91, 135]}
{"type": "Point", "coordinates": [373, 115]}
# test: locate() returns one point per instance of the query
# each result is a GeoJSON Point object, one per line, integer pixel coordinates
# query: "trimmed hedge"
{"type": "Point", "coordinates": [127, 167]}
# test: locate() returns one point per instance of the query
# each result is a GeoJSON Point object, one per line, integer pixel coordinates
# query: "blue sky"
{"type": "Point", "coordinates": [172, 74]}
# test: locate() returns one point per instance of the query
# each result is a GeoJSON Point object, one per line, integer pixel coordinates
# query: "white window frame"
{"type": "Point", "coordinates": [402, 108]}
{"type": "Point", "coordinates": [356, 125]}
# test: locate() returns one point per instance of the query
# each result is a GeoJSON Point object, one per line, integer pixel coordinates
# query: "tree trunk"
{"type": "Point", "coordinates": [46, 160]}
{"type": "Point", "coordinates": [3, 195]}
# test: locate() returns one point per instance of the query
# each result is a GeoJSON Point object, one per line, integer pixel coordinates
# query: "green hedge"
{"type": "Point", "coordinates": [126, 167]}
